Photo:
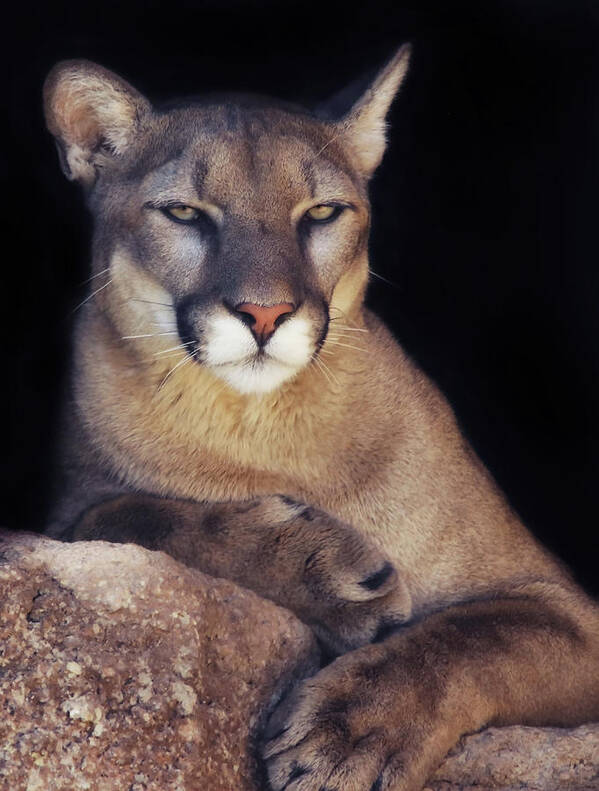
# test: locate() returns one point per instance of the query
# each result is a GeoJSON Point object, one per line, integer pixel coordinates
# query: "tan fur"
{"type": "Point", "coordinates": [359, 434]}
{"type": "Point", "coordinates": [86, 110]}
{"type": "Point", "coordinates": [250, 447]}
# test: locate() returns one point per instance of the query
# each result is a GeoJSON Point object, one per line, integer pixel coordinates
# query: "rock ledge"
{"type": "Point", "coordinates": [121, 670]}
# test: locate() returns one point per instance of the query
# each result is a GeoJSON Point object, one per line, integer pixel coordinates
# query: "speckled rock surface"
{"type": "Point", "coordinates": [523, 759]}
{"type": "Point", "coordinates": [121, 670]}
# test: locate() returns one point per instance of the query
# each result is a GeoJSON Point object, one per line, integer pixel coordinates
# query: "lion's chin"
{"type": "Point", "coordinates": [257, 376]}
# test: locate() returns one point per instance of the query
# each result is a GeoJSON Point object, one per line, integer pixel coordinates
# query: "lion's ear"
{"type": "Point", "coordinates": [89, 109]}
{"type": "Point", "coordinates": [363, 129]}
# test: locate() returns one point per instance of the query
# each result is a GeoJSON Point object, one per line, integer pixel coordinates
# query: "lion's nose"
{"type": "Point", "coordinates": [263, 320]}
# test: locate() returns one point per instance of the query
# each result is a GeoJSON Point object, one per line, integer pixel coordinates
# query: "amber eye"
{"type": "Point", "coordinates": [183, 213]}
{"type": "Point", "coordinates": [323, 212]}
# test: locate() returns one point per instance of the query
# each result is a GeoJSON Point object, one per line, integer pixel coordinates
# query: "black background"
{"type": "Point", "coordinates": [485, 211]}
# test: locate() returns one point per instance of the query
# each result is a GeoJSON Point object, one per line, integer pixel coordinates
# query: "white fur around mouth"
{"type": "Point", "coordinates": [231, 352]}
{"type": "Point", "coordinates": [261, 375]}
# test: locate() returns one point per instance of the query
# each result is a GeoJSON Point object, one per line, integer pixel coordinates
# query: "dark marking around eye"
{"type": "Point", "coordinates": [202, 221]}
{"type": "Point", "coordinates": [308, 224]}
{"type": "Point", "coordinates": [311, 221]}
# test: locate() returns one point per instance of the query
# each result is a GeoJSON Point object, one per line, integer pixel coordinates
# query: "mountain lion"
{"type": "Point", "coordinates": [233, 403]}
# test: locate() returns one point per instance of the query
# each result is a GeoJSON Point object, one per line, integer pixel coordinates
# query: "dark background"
{"type": "Point", "coordinates": [485, 212]}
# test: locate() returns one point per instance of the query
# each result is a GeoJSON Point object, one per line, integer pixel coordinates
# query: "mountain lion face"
{"type": "Point", "coordinates": [243, 229]}
{"type": "Point", "coordinates": [227, 233]}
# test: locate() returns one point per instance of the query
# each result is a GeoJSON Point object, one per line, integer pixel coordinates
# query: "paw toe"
{"type": "Point", "coordinates": [371, 582]}
{"type": "Point", "coordinates": [376, 580]}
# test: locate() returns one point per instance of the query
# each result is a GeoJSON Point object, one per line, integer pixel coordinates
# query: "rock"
{"type": "Point", "coordinates": [121, 670]}
{"type": "Point", "coordinates": [523, 759]}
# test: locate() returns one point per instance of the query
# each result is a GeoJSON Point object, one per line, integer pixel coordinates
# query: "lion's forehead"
{"type": "Point", "coordinates": [264, 162]}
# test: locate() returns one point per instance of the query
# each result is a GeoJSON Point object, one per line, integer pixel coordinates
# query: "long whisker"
{"type": "Point", "coordinates": [186, 359]}
{"type": "Point", "coordinates": [164, 324]}
{"type": "Point", "coordinates": [318, 363]}
{"type": "Point", "coordinates": [149, 302]}
{"type": "Point", "coordinates": [343, 335]}
{"type": "Point", "coordinates": [148, 335]}
{"type": "Point", "coordinates": [173, 348]}
{"type": "Point", "coordinates": [328, 143]}
{"type": "Point", "coordinates": [347, 345]}
{"type": "Point", "coordinates": [326, 371]}
{"type": "Point", "coordinates": [380, 277]}
{"type": "Point", "coordinates": [102, 272]}
{"type": "Point", "coordinates": [154, 359]}
{"type": "Point", "coordinates": [337, 318]}
{"type": "Point", "coordinates": [331, 374]}
{"type": "Point", "coordinates": [93, 294]}
{"type": "Point", "coordinates": [350, 329]}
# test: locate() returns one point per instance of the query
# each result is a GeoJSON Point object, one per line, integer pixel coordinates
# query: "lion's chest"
{"type": "Point", "coordinates": [205, 445]}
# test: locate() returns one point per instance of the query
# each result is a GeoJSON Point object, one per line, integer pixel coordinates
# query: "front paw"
{"type": "Point", "coordinates": [348, 591]}
{"type": "Point", "coordinates": [351, 728]}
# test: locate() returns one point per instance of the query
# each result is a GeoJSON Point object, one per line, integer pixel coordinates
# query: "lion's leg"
{"type": "Point", "coordinates": [303, 559]}
{"type": "Point", "coordinates": [383, 717]}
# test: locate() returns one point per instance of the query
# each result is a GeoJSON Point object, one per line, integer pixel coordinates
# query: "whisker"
{"type": "Point", "coordinates": [186, 359]}
{"type": "Point", "coordinates": [330, 373]}
{"type": "Point", "coordinates": [148, 335]}
{"type": "Point", "coordinates": [326, 370]}
{"type": "Point", "coordinates": [347, 345]}
{"type": "Point", "coordinates": [173, 348]}
{"type": "Point", "coordinates": [149, 302]}
{"type": "Point", "coordinates": [93, 294]}
{"type": "Point", "coordinates": [327, 144]}
{"type": "Point", "coordinates": [350, 329]}
{"type": "Point", "coordinates": [317, 362]}
{"type": "Point", "coordinates": [102, 272]}
{"type": "Point", "coordinates": [326, 352]}
{"type": "Point", "coordinates": [170, 356]}
{"type": "Point", "coordinates": [343, 314]}
{"type": "Point", "coordinates": [164, 325]}
{"type": "Point", "coordinates": [380, 277]}
{"type": "Point", "coordinates": [343, 335]}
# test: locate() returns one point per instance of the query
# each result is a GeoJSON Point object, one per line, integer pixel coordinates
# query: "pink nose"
{"type": "Point", "coordinates": [264, 319]}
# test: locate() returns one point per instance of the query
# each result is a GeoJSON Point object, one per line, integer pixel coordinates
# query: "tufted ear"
{"type": "Point", "coordinates": [363, 129]}
{"type": "Point", "coordinates": [90, 111]}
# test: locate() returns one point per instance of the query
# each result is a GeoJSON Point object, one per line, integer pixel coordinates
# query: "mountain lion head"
{"type": "Point", "coordinates": [227, 232]}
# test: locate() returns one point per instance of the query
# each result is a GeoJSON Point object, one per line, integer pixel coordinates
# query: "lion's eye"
{"type": "Point", "coordinates": [183, 213]}
{"type": "Point", "coordinates": [323, 212]}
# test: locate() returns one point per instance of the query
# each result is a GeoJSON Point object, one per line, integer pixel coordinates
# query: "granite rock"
{"type": "Point", "coordinates": [122, 670]}
{"type": "Point", "coordinates": [523, 759]}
